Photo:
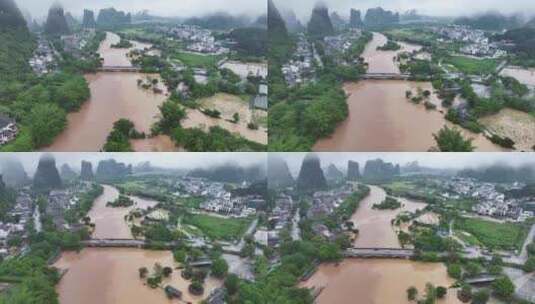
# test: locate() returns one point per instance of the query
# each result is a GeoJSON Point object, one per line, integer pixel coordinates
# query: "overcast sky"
{"type": "Point", "coordinates": [435, 160]}
{"type": "Point", "coordinates": [429, 7]}
{"type": "Point", "coordinates": [169, 8]}
{"type": "Point", "coordinates": [165, 160]}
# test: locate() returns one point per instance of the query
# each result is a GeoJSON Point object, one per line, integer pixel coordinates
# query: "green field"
{"type": "Point", "coordinates": [494, 235]}
{"type": "Point", "coordinates": [190, 202]}
{"type": "Point", "coordinates": [472, 66]}
{"type": "Point", "coordinates": [196, 60]}
{"type": "Point", "coordinates": [218, 228]}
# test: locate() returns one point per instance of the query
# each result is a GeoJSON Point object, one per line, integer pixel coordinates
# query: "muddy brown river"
{"type": "Point", "coordinates": [110, 222]}
{"type": "Point", "coordinates": [110, 275]}
{"type": "Point", "coordinates": [380, 116]}
{"type": "Point", "coordinates": [377, 281]}
{"type": "Point", "coordinates": [114, 95]}
{"type": "Point", "coordinates": [375, 228]}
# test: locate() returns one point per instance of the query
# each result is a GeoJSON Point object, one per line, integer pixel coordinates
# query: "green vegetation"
{"type": "Point", "coordinates": [218, 228]}
{"type": "Point", "coordinates": [389, 46]}
{"type": "Point", "coordinates": [299, 116]}
{"type": "Point", "coordinates": [451, 140]}
{"type": "Point", "coordinates": [121, 201]}
{"type": "Point", "coordinates": [216, 139]}
{"type": "Point", "coordinates": [35, 279]}
{"type": "Point", "coordinates": [417, 35]}
{"type": "Point", "coordinates": [196, 60]}
{"type": "Point", "coordinates": [39, 104]}
{"type": "Point", "coordinates": [471, 66]}
{"type": "Point", "coordinates": [494, 235]}
{"type": "Point", "coordinates": [85, 203]}
{"type": "Point", "coordinates": [123, 44]}
{"type": "Point", "coordinates": [389, 203]}
{"type": "Point", "coordinates": [119, 138]}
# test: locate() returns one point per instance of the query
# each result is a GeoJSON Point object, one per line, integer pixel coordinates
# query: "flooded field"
{"type": "Point", "coordinates": [517, 125]}
{"type": "Point", "coordinates": [244, 69]}
{"type": "Point", "coordinates": [524, 76]}
{"type": "Point", "coordinates": [228, 105]}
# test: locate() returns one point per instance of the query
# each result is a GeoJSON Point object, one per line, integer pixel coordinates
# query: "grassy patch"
{"type": "Point", "coordinates": [472, 66]}
{"type": "Point", "coordinates": [190, 202]}
{"type": "Point", "coordinates": [196, 60]}
{"type": "Point", "coordinates": [218, 228]}
{"type": "Point", "coordinates": [494, 235]}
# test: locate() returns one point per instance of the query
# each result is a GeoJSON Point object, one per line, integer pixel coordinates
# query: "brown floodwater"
{"type": "Point", "coordinates": [382, 119]}
{"type": "Point", "coordinates": [383, 61]}
{"type": "Point", "coordinates": [110, 276]}
{"type": "Point", "coordinates": [377, 281]}
{"type": "Point", "coordinates": [375, 228]}
{"type": "Point", "coordinates": [114, 95]}
{"type": "Point", "coordinates": [110, 222]}
{"type": "Point", "coordinates": [525, 76]}
{"type": "Point", "coordinates": [228, 105]}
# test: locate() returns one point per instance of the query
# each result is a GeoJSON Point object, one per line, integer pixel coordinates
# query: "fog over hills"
{"type": "Point", "coordinates": [167, 8]}
{"type": "Point", "coordinates": [450, 161]}
{"type": "Point", "coordinates": [441, 8]}
{"type": "Point", "coordinates": [162, 160]}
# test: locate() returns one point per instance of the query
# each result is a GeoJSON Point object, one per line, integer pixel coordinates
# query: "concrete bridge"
{"type": "Point", "coordinates": [481, 279]}
{"type": "Point", "coordinates": [384, 253]}
{"type": "Point", "coordinates": [119, 69]}
{"type": "Point", "coordinates": [385, 76]}
{"type": "Point", "coordinates": [123, 243]}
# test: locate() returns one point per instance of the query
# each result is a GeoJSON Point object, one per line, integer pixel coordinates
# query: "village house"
{"type": "Point", "coordinates": [8, 129]}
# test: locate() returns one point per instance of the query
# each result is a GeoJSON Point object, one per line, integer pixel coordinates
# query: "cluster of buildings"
{"type": "Point", "coordinates": [61, 200]}
{"type": "Point", "coordinates": [301, 68]}
{"type": "Point", "coordinates": [477, 42]}
{"type": "Point", "coordinates": [8, 129]}
{"type": "Point", "coordinates": [18, 217]}
{"type": "Point", "coordinates": [490, 201]}
{"type": "Point", "coordinates": [199, 40]}
{"type": "Point", "coordinates": [280, 218]}
{"type": "Point", "coordinates": [218, 199]}
{"type": "Point", "coordinates": [235, 206]}
{"type": "Point", "coordinates": [336, 46]}
{"type": "Point", "coordinates": [43, 60]}
{"type": "Point", "coordinates": [325, 202]}
{"type": "Point", "coordinates": [75, 43]}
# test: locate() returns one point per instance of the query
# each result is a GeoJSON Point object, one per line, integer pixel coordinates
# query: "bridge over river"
{"type": "Point", "coordinates": [119, 69]}
{"type": "Point", "coordinates": [124, 243]}
{"type": "Point", "coordinates": [385, 253]}
{"type": "Point", "coordinates": [385, 76]}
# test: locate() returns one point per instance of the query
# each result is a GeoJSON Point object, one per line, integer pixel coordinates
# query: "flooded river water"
{"type": "Point", "coordinates": [110, 275]}
{"type": "Point", "coordinates": [377, 281]}
{"type": "Point", "coordinates": [380, 116]}
{"type": "Point", "coordinates": [114, 95]}
{"type": "Point", "coordinates": [110, 222]}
